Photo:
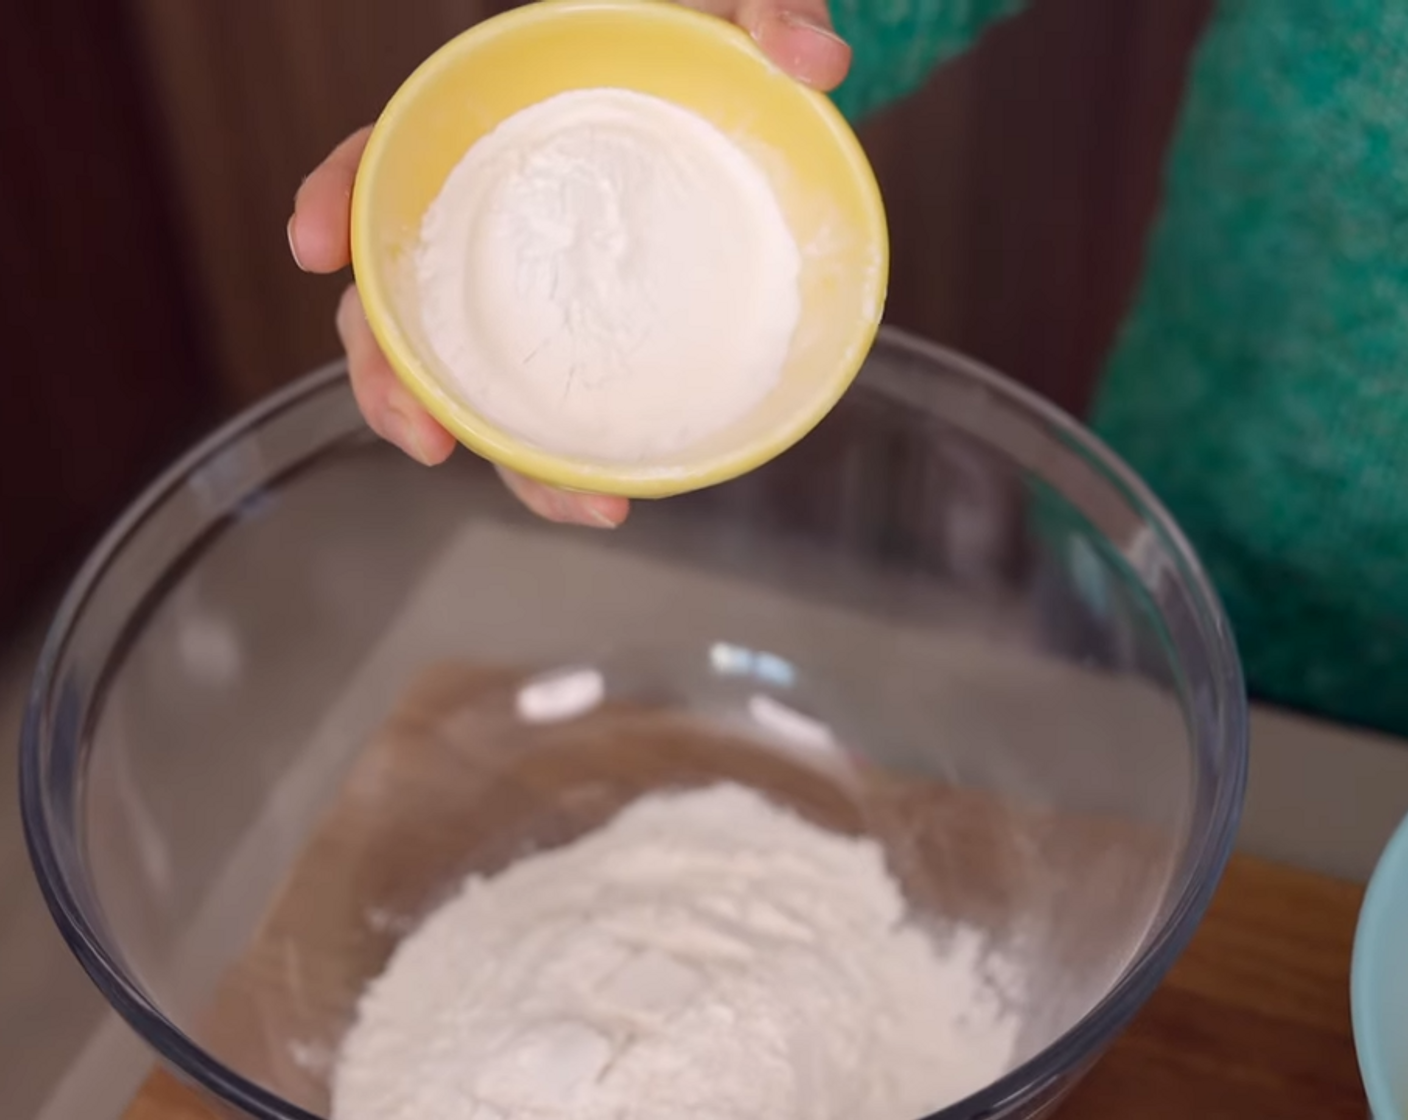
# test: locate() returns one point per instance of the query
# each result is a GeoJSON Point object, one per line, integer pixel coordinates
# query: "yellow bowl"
{"type": "Point", "coordinates": [817, 168]}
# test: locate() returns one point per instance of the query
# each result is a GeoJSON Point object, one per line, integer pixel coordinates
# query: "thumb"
{"type": "Point", "coordinates": [798, 36]}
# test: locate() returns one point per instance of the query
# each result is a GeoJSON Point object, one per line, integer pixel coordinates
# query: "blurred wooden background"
{"type": "Point", "coordinates": [160, 142]}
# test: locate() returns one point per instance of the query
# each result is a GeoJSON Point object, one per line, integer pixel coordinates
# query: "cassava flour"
{"type": "Point", "coordinates": [607, 274]}
{"type": "Point", "coordinates": [705, 956]}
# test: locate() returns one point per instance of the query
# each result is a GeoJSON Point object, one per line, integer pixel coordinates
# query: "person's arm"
{"type": "Point", "coordinates": [896, 44]}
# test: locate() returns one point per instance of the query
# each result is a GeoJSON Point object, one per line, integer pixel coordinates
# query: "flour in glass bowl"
{"type": "Point", "coordinates": [707, 955]}
{"type": "Point", "coordinates": [608, 275]}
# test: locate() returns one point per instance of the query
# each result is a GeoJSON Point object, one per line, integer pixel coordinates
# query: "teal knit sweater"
{"type": "Point", "coordinates": [1261, 383]}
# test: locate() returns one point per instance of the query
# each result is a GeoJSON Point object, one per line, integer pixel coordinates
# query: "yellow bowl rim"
{"type": "Point", "coordinates": [635, 480]}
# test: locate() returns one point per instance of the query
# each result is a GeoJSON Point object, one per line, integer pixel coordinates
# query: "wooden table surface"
{"type": "Point", "coordinates": [1252, 1022]}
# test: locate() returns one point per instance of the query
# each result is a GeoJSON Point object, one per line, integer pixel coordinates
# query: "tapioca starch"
{"type": "Point", "coordinates": [609, 275]}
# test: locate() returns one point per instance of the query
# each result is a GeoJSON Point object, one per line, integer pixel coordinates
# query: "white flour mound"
{"type": "Point", "coordinates": [705, 956]}
{"type": "Point", "coordinates": [609, 275]}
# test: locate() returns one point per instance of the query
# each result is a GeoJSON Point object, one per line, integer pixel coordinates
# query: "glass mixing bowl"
{"type": "Point", "coordinates": [305, 686]}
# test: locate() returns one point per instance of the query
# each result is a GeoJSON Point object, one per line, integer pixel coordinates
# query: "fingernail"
{"type": "Point", "coordinates": [293, 247]}
{"type": "Point", "coordinates": [347, 307]}
{"type": "Point", "coordinates": [401, 431]}
{"type": "Point", "coordinates": [577, 509]}
{"type": "Point", "coordinates": [599, 519]}
{"type": "Point", "coordinates": [807, 23]}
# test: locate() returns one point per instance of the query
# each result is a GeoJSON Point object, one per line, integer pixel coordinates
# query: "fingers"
{"type": "Point", "coordinates": [797, 35]}
{"type": "Point", "coordinates": [319, 238]}
{"type": "Point", "coordinates": [319, 231]}
{"type": "Point", "coordinates": [388, 406]}
{"type": "Point", "coordinates": [597, 511]}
